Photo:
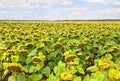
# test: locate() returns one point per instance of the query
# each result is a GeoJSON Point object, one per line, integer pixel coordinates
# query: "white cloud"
{"type": "Point", "coordinates": [64, 2]}
{"type": "Point", "coordinates": [116, 3]}
{"type": "Point", "coordinates": [101, 1]}
{"type": "Point", "coordinates": [86, 13]}
{"type": "Point", "coordinates": [14, 4]}
{"type": "Point", "coordinates": [9, 15]}
{"type": "Point", "coordinates": [96, 1]}
{"type": "Point", "coordinates": [51, 13]}
{"type": "Point", "coordinates": [32, 3]}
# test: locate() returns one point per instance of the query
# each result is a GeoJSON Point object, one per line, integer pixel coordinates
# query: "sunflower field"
{"type": "Point", "coordinates": [60, 51]}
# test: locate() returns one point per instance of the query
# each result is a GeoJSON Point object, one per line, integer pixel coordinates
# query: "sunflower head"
{"type": "Point", "coordinates": [29, 45]}
{"type": "Point", "coordinates": [70, 57]}
{"type": "Point", "coordinates": [36, 59]}
{"type": "Point", "coordinates": [41, 46]}
{"type": "Point", "coordinates": [72, 63]}
{"type": "Point", "coordinates": [66, 76]}
{"type": "Point", "coordinates": [81, 44]}
{"type": "Point", "coordinates": [23, 51]}
{"type": "Point", "coordinates": [15, 67]}
{"type": "Point", "coordinates": [4, 49]}
{"type": "Point", "coordinates": [57, 46]}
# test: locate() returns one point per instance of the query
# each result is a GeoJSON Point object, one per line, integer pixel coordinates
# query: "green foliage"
{"type": "Point", "coordinates": [12, 78]}
{"type": "Point", "coordinates": [92, 68]}
{"type": "Point", "coordinates": [77, 79]}
{"type": "Point", "coordinates": [46, 71]}
{"type": "Point", "coordinates": [47, 51]}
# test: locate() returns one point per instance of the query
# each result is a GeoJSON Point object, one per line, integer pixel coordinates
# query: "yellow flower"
{"type": "Point", "coordinates": [36, 60]}
{"type": "Point", "coordinates": [3, 49]}
{"type": "Point", "coordinates": [70, 57]}
{"type": "Point", "coordinates": [23, 51]}
{"type": "Point", "coordinates": [66, 76]}
{"type": "Point", "coordinates": [14, 67]}
{"type": "Point", "coordinates": [29, 45]}
{"type": "Point", "coordinates": [81, 44]}
{"type": "Point", "coordinates": [57, 46]}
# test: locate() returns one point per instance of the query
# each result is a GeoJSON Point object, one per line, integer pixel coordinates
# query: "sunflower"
{"type": "Point", "coordinates": [70, 57]}
{"type": "Point", "coordinates": [36, 60]}
{"type": "Point", "coordinates": [66, 76]}
{"type": "Point", "coordinates": [81, 44]}
{"type": "Point", "coordinates": [15, 67]}
{"type": "Point", "coordinates": [57, 46]}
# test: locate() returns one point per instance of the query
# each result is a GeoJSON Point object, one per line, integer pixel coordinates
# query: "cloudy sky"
{"type": "Point", "coordinates": [59, 9]}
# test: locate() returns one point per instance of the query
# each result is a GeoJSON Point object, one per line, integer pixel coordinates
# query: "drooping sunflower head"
{"type": "Point", "coordinates": [81, 44]}
{"type": "Point", "coordinates": [57, 46]}
{"type": "Point", "coordinates": [36, 59]}
{"type": "Point", "coordinates": [23, 51]}
{"type": "Point", "coordinates": [15, 67]}
{"type": "Point", "coordinates": [70, 57]}
{"type": "Point", "coordinates": [29, 45]}
{"type": "Point", "coordinates": [72, 63]}
{"type": "Point", "coordinates": [66, 76]}
{"type": "Point", "coordinates": [4, 49]}
{"type": "Point", "coordinates": [41, 46]}
{"type": "Point", "coordinates": [11, 50]}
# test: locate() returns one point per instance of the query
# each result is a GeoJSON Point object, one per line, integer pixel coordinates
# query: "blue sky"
{"type": "Point", "coordinates": [59, 9]}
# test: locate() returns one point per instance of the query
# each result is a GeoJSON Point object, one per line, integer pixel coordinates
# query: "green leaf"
{"type": "Point", "coordinates": [97, 76]}
{"type": "Point", "coordinates": [80, 69]}
{"type": "Point", "coordinates": [46, 71]}
{"type": "Point", "coordinates": [73, 70]}
{"type": "Point", "coordinates": [42, 55]}
{"type": "Point", "coordinates": [56, 69]}
{"type": "Point", "coordinates": [6, 72]}
{"type": "Point", "coordinates": [52, 78]}
{"type": "Point", "coordinates": [39, 66]}
{"type": "Point", "coordinates": [21, 77]}
{"type": "Point", "coordinates": [108, 56]}
{"type": "Point", "coordinates": [12, 78]}
{"type": "Point", "coordinates": [118, 64]}
{"type": "Point", "coordinates": [77, 79]}
{"type": "Point", "coordinates": [102, 51]}
{"type": "Point", "coordinates": [35, 77]}
{"type": "Point", "coordinates": [87, 78]}
{"type": "Point", "coordinates": [61, 64]}
{"type": "Point", "coordinates": [92, 68]}
{"type": "Point", "coordinates": [28, 60]}
{"type": "Point", "coordinates": [33, 52]}
{"type": "Point", "coordinates": [32, 69]}
{"type": "Point", "coordinates": [60, 68]}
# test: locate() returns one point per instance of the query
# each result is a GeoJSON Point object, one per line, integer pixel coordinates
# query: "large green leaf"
{"type": "Point", "coordinates": [46, 71]}
{"type": "Point", "coordinates": [97, 76]}
{"type": "Point", "coordinates": [87, 78]}
{"type": "Point", "coordinates": [11, 78]}
{"type": "Point", "coordinates": [92, 68]}
{"type": "Point", "coordinates": [53, 78]}
{"type": "Point", "coordinates": [32, 69]}
{"type": "Point", "coordinates": [35, 77]}
{"type": "Point", "coordinates": [33, 52]}
{"type": "Point", "coordinates": [118, 64]}
{"type": "Point", "coordinates": [77, 79]}
{"type": "Point", "coordinates": [21, 77]}
{"type": "Point", "coordinates": [80, 69]}
{"type": "Point", "coordinates": [28, 60]}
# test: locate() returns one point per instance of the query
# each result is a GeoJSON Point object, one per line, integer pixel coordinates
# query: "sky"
{"type": "Point", "coordinates": [59, 9]}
